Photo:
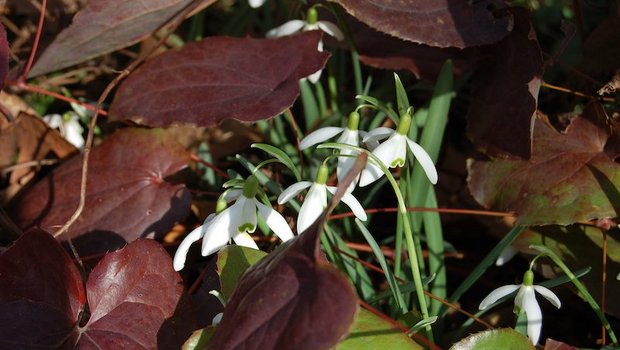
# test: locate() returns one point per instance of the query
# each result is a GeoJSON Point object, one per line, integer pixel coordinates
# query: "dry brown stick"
{"type": "Point", "coordinates": [174, 22]}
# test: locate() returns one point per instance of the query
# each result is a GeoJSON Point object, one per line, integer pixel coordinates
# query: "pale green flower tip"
{"type": "Point", "coordinates": [312, 16]}
{"type": "Point", "coordinates": [322, 175]}
{"type": "Point", "coordinates": [528, 278]}
{"type": "Point", "coordinates": [354, 121]}
{"type": "Point", "coordinates": [404, 124]}
{"type": "Point", "coordinates": [250, 187]}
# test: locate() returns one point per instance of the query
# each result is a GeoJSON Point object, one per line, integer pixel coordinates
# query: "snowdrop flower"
{"type": "Point", "coordinates": [234, 222]}
{"type": "Point", "coordinates": [69, 126]}
{"type": "Point", "coordinates": [349, 136]}
{"type": "Point", "coordinates": [393, 152]}
{"type": "Point", "coordinates": [311, 23]}
{"type": "Point", "coordinates": [316, 200]}
{"type": "Point", "coordinates": [256, 3]}
{"type": "Point", "coordinates": [526, 301]}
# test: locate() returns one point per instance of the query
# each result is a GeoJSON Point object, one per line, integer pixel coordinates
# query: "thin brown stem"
{"type": "Point", "coordinates": [37, 38]}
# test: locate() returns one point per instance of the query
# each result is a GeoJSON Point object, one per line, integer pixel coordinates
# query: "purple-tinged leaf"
{"type": "Point", "coordinates": [218, 78]}
{"type": "Point", "coordinates": [505, 92]}
{"type": "Point", "coordinates": [104, 26]}
{"type": "Point", "coordinates": [4, 56]}
{"type": "Point", "coordinates": [569, 178]}
{"type": "Point", "coordinates": [130, 293]}
{"type": "Point", "coordinates": [126, 197]}
{"type": "Point", "coordinates": [441, 23]}
{"type": "Point", "coordinates": [41, 295]}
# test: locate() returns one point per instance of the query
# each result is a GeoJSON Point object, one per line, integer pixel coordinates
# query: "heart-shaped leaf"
{"type": "Point", "coordinates": [130, 293]}
{"type": "Point", "coordinates": [445, 23]}
{"type": "Point", "coordinates": [495, 339]}
{"type": "Point", "coordinates": [103, 26]}
{"type": "Point", "coordinates": [126, 195]}
{"type": "Point", "coordinates": [218, 78]}
{"type": "Point", "coordinates": [569, 178]}
{"type": "Point", "coordinates": [41, 296]}
{"type": "Point", "coordinates": [232, 261]}
{"type": "Point", "coordinates": [505, 91]}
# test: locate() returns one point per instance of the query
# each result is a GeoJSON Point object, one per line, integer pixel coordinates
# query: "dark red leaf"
{"type": "Point", "coordinates": [130, 293]}
{"type": "Point", "coordinates": [293, 298]}
{"type": "Point", "coordinates": [104, 26]}
{"type": "Point", "coordinates": [126, 197]}
{"type": "Point", "coordinates": [384, 51]}
{"type": "Point", "coordinates": [218, 78]}
{"type": "Point", "coordinates": [4, 56]}
{"type": "Point", "coordinates": [569, 178]}
{"type": "Point", "coordinates": [441, 23]}
{"type": "Point", "coordinates": [41, 294]}
{"type": "Point", "coordinates": [551, 344]}
{"type": "Point", "coordinates": [505, 92]}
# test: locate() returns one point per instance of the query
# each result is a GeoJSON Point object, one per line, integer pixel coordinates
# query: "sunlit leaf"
{"type": "Point", "coordinates": [217, 78]}
{"type": "Point", "coordinates": [494, 339]}
{"type": "Point", "coordinates": [370, 332]}
{"type": "Point", "coordinates": [232, 261]}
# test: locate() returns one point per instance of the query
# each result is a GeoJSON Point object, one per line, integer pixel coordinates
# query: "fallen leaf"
{"type": "Point", "coordinates": [218, 78]}
{"type": "Point", "coordinates": [445, 23]}
{"type": "Point", "coordinates": [4, 56]}
{"type": "Point", "coordinates": [504, 94]}
{"type": "Point", "coordinates": [569, 178]}
{"type": "Point", "coordinates": [126, 197]}
{"type": "Point", "coordinates": [104, 26]}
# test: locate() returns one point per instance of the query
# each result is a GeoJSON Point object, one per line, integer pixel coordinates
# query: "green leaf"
{"type": "Point", "coordinates": [232, 261]}
{"type": "Point", "coordinates": [199, 339]}
{"type": "Point", "coordinates": [370, 332]}
{"type": "Point", "coordinates": [279, 155]}
{"type": "Point", "coordinates": [495, 339]}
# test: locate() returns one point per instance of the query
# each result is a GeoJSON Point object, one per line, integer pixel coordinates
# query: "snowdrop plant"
{"type": "Point", "coordinates": [311, 23]}
{"type": "Point", "coordinates": [235, 222]}
{"type": "Point", "coordinates": [316, 199]}
{"type": "Point", "coordinates": [69, 127]}
{"type": "Point", "coordinates": [526, 301]}
{"type": "Point", "coordinates": [256, 3]}
{"type": "Point", "coordinates": [349, 135]}
{"type": "Point", "coordinates": [393, 152]}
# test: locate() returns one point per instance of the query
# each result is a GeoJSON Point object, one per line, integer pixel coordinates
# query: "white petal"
{"type": "Point", "coordinates": [292, 191]}
{"type": "Point", "coordinates": [331, 29]}
{"type": "Point", "coordinates": [287, 28]}
{"type": "Point", "coordinates": [506, 255]}
{"type": "Point", "coordinates": [275, 221]}
{"type": "Point", "coordinates": [53, 120]}
{"type": "Point", "coordinates": [549, 295]}
{"type": "Point", "coordinates": [497, 294]}
{"type": "Point", "coordinates": [246, 222]}
{"type": "Point", "coordinates": [319, 135]}
{"type": "Point", "coordinates": [312, 207]}
{"type": "Point", "coordinates": [232, 195]}
{"type": "Point", "coordinates": [244, 239]}
{"type": "Point", "coordinates": [314, 77]}
{"type": "Point", "coordinates": [217, 319]}
{"type": "Point", "coordinates": [178, 262]}
{"type": "Point", "coordinates": [425, 161]}
{"type": "Point", "coordinates": [533, 313]}
{"type": "Point", "coordinates": [345, 164]}
{"type": "Point", "coordinates": [378, 134]}
{"type": "Point", "coordinates": [352, 203]}
{"type": "Point", "coordinates": [73, 133]}
{"type": "Point", "coordinates": [256, 3]}
{"type": "Point", "coordinates": [219, 231]}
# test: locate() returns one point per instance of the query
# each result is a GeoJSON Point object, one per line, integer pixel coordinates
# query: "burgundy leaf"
{"type": "Point", "coordinates": [130, 293]}
{"type": "Point", "coordinates": [4, 56]}
{"type": "Point", "coordinates": [569, 178]}
{"type": "Point", "coordinates": [41, 294]}
{"type": "Point", "coordinates": [126, 195]}
{"type": "Point", "coordinates": [217, 78]}
{"type": "Point", "coordinates": [505, 92]}
{"type": "Point", "coordinates": [441, 23]}
{"type": "Point", "coordinates": [551, 344]}
{"type": "Point", "coordinates": [104, 26]}
{"type": "Point", "coordinates": [293, 298]}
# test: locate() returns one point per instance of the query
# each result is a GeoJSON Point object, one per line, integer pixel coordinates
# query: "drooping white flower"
{"type": "Point", "coordinates": [316, 200]}
{"type": "Point", "coordinates": [234, 222]}
{"type": "Point", "coordinates": [256, 3]}
{"type": "Point", "coordinates": [393, 152]}
{"type": "Point", "coordinates": [69, 127]}
{"type": "Point", "coordinates": [349, 136]}
{"type": "Point", "coordinates": [526, 301]}
{"type": "Point", "coordinates": [311, 23]}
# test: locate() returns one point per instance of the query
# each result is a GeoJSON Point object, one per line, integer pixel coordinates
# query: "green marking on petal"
{"type": "Point", "coordinates": [398, 162]}
{"type": "Point", "coordinates": [247, 227]}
